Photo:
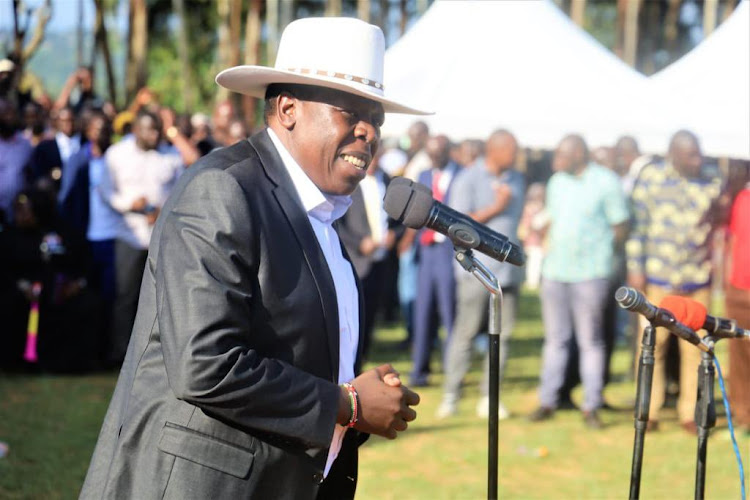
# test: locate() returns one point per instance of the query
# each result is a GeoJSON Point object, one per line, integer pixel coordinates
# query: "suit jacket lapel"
{"type": "Point", "coordinates": [286, 196]}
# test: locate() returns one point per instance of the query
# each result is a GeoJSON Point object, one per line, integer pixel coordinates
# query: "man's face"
{"type": "Point", "coordinates": [99, 132]}
{"type": "Point", "coordinates": [65, 122]}
{"type": "Point", "coordinates": [438, 150]}
{"type": "Point", "coordinates": [147, 134]}
{"type": "Point", "coordinates": [687, 158]}
{"type": "Point", "coordinates": [568, 157]}
{"type": "Point", "coordinates": [335, 137]}
{"type": "Point", "coordinates": [418, 136]}
{"type": "Point", "coordinates": [500, 153]}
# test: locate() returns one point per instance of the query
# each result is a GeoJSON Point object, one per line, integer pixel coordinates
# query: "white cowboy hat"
{"type": "Point", "coordinates": [334, 52]}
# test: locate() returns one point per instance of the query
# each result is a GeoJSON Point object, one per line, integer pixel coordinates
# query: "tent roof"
{"type": "Point", "coordinates": [525, 66]}
{"type": "Point", "coordinates": [711, 86]}
{"type": "Point", "coordinates": [522, 65]}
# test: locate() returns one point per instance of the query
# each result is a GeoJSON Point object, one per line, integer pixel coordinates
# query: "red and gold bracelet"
{"type": "Point", "coordinates": [354, 403]}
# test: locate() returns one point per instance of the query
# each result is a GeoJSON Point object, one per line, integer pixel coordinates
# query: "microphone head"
{"type": "Point", "coordinates": [408, 202]}
{"type": "Point", "coordinates": [397, 197]}
{"type": "Point", "coordinates": [687, 311]}
{"type": "Point", "coordinates": [626, 297]}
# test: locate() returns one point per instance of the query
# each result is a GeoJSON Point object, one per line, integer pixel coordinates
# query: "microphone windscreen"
{"type": "Point", "coordinates": [689, 312]}
{"type": "Point", "coordinates": [418, 209]}
{"type": "Point", "coordinates": [397, 197]}
{"type": "Point", "coordinates": [408, 202]}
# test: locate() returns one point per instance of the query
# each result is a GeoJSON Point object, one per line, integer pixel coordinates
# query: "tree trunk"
{"type": "Point", "coordinates": [710, 8]}
{"type": "Point", "coordinates": [619, 48]}
{"type": "Point", "coordinates": [183, 51]}
{"type": "Point", "coordinates": [728, 9]}
{"type": "Point", "coordinates": [333, 8]}
{"type": "Point", "coordinates": [42, 15]}
{"type": "Point", "coordinates": [286, 14]}
{"type": "Point", "coordinates": [670, 24]}
{"type": "Point", "coordinates": [103, 43]}
{"type": "Point", "coordinates": [252, 56]}
{"type": "Point", "coordinates": [363, 10]}
{"type": "Point", "coordinates": [235, 33]}
{"type": "Point", "coordinates": [223, 8]}
{"type": "Point", "coordinates": [404, 17]}
{"type": "Point", "coordinates": [272, 27]}
{"type": "Point", "coordinates": [630, 51]}
{"type": "Point", "coordinates": [383, 12]}
{"type": "Point", "coordinates": [578, 11]}
{"type": "Point", "coordinates": [137, 48]}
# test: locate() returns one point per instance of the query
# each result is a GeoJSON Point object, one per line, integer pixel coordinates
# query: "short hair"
{"type": "Point", "coordinates": [144, 113]}
{"type": "Point", "coordinates": [276, 89]}
{"type": "Point", "coordinates": [580, 142]}
{"type": "Point", "coordinates": [682, 135]}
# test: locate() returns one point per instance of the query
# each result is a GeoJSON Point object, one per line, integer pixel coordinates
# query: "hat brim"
{"type": "Point", "coordinates": [253, 81]}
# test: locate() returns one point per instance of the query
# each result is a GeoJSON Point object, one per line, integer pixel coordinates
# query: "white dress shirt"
{"type": "Point", "coordinates": [67, 145]}
{"type": "Point", "coordinates": [322, 210]}
{"type": "Point", "coordinates": [134, 173]}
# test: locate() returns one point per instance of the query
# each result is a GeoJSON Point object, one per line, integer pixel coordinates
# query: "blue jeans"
{"type": "Point", "coordinates": [573, 310]}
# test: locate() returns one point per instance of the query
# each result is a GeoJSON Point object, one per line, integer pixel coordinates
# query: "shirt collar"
{"type": "Point", "coordinates": [324, 207]}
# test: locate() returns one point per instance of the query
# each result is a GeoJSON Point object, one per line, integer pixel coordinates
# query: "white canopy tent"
{"type": "Point", "coordinates": [481, 65]}
{"type": "Point", "coordinates": [525, 66]}
{"type": "Point", "coordinates": [711, 87]}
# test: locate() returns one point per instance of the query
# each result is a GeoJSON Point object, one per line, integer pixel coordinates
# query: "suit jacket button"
{"type": "Point", "coordinates": [318, 477]}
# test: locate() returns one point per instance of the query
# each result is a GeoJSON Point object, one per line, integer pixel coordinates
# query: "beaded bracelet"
{"type": "Point", "coordinates": [354, 402]}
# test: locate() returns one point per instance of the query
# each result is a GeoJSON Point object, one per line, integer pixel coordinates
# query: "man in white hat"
{"type": "Point", "coordinates": [239, 381]}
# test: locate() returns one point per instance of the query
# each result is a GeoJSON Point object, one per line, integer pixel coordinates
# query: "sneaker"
{"type": "Point", "coordinates": [483, 409]}
{"type": "Point", "coordinates": [540, 414]}
{"type": "Point", "coordinates": [447, 408]}
{"type": "Point", "coordinates": [591, 419]}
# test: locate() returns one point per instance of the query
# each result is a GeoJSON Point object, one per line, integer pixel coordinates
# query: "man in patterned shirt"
{"type": "Point", "coordinates": [675, 210]}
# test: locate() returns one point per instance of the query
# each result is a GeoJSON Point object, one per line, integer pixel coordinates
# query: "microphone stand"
{"type": "Point", "coordinates": [642, 406]}
{"type": "Point", "coordinates": [705, 416]}
{"type": "Point", "coordinates": [466, 258]}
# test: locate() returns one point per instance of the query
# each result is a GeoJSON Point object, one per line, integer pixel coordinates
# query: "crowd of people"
{"type": "Point", "coordinates": [81, 188]}
{"type": "Point", "coordinates": [605, 218]}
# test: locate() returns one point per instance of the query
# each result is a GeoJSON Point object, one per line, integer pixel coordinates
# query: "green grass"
{"type": "Point", "coordinates": [51, 424]}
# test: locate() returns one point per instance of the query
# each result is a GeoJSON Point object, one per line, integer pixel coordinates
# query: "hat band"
{"type": "Point", "coordinates": [342, 76]}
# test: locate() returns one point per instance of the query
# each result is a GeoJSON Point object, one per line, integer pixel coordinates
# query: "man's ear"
{"type": "Point", "coordinates": [286, 110]}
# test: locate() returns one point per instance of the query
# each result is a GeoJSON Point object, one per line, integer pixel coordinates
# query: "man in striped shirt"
{"type": "Point", "coordinates": [675, 210]}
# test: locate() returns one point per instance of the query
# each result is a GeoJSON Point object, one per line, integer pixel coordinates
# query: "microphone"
{"type": "Point", "coordinates": [632, 300]}
{"type": "Point", "coordinates": [412, 204]}
{"type": "Point", "coordinates": [695, 315]}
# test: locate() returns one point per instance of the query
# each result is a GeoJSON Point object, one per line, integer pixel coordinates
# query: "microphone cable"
{"type": "Point", "coordinates": [731, 427]}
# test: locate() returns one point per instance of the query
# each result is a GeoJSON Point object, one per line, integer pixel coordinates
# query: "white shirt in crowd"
{"type": "Point", "coordinates": [322, 210]}
{"type": "Point", "coordinates": [104, 221]}
{"type": "Point", "coordinates": [373, 192]}
{"type": "Point", "coordinates": [135, 173]}
{"type": "Point", "coordinates": [68, 146]}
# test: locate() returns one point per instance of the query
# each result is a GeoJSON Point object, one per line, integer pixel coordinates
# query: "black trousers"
{"type": "Point", "coordinates": [129, 264]}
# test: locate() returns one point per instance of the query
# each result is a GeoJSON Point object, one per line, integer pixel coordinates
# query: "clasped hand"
{"type": "Point", "coordinates": [384, 404]}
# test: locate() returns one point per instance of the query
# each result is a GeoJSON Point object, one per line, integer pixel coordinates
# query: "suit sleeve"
{"type": "Point", "coordinates": [204, 282]}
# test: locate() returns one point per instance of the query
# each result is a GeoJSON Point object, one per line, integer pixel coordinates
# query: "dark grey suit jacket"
{"type": "Point", "coordinates": [229, 386]}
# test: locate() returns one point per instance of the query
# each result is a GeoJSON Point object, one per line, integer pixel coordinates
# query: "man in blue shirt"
{"type": "Point", "coordinates": [588, 214]}
{"type": "Point", "coordinates": [492, 193]}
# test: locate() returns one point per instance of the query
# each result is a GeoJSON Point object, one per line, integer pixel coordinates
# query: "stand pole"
{"type": "Point", "coordinates": [643, 404]}
{"type": "Point", "coordinates": [705, 419]}
{"type": "Point", "coordinates": [480, 272]}
{"type": "Point", "coordinates": [493, 437]}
